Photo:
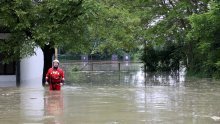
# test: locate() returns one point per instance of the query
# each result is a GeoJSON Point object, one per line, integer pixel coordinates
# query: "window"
{"type": "Point", "coordinates": [7, 69]}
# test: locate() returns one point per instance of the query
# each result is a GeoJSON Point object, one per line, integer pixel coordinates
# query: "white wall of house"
{"type": "Point", "coordinates": [31, 70]}
{"type": "Point", "coordinates": [7, 80]}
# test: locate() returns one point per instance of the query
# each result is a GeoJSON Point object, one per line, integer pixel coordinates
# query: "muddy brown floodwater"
{"type": "Point", "coordinates": [114, 98]}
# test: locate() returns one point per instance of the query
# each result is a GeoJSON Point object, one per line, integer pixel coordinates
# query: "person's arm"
{"type": "Point", "coordinates": [62, 77]}
{"type": "Point", "coordinates": [47, 76]}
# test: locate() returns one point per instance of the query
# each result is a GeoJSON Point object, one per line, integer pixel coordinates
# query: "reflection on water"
{"type": "Point", "coordinates": [31, 104]}
{"type": "Point", "coordinates": [115, 98]}
{"type": "Point", "coordinates": [124, 78]}
{"type": "Point", "coordinates": [53, 106]}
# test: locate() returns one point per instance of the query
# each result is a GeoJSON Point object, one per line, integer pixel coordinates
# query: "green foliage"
{"type": "Point", "coordinates": [150, 58]}
{"type": "Point", "coordinates": [184, 31]}
{"type": "Point", "coordinates": [76, 26]}
{"type": "Point", "coordinates": [33, 24]}
{"type": "Point", "coordinates": [162, 59]}
{"type": "Point", "coordinates": [192, 30]}
{"type": "Point", "coordinates": [111, 26]}
{"type": "Point", "coordinates": [205, 35]}
{"type": "Point", "coordinates": [167, 27]}
{"type": "Point", "coordinates": [15, 19]}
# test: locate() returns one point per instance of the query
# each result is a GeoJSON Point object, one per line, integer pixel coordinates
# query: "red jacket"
{"type": "Point", "coordinates": [55, 75]}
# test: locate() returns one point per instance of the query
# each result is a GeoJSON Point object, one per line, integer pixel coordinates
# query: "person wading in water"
{"type": "Point", "coordinates": [55, 76]}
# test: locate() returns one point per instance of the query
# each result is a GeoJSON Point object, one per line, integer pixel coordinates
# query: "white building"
{"type": "Point", "coordinates": [31, 70]}
{"type": "Point", "coordinates": [28, 72]}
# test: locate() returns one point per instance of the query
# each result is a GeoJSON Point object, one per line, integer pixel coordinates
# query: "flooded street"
{"type": "Point", "coordinates": [114, 98]}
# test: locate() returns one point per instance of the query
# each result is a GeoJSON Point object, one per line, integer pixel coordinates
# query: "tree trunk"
{"type": "Point", "coordinates": [48, 52]}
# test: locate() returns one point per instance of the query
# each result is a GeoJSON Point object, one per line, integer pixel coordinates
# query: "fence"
{"type": "Point", "coordinates": [101, 66]}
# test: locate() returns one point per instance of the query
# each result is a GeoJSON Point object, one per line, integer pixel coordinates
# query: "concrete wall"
{"type": "Point", "coordinates": [31, 70]}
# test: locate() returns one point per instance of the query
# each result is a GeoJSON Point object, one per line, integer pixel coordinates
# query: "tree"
{"type": "Point", "coordinates": [75, 25]}
{"type": "Point", "coordinates": [205, 35]}
{"type": "Point", "coordinates": [111, 25]}
{"type": "Point", "coordinates": [45, 24]}
{"type": "Point", "coordinates": [167, 25]}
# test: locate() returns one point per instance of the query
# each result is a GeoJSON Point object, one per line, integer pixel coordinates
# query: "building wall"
{"type": "Point", "coordinates": [31, 70]}
{"type": "Point", "coordinates": [7, 80]}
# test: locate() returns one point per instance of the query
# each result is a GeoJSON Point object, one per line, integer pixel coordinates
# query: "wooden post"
{"type": "Point", "coordinates": [145, 65]}
{"type": "Point", "coordinates": [119, 66]}
{"type": "Point", "coordinates": [56, 53]}
{"type": "Point", "coordinates": [18, 74]}
{"type": "Point", "coordinates": [92, 65]}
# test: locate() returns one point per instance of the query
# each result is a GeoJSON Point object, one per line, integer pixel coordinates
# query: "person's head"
{"type": "Point", "coordinates": [56, 63]}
